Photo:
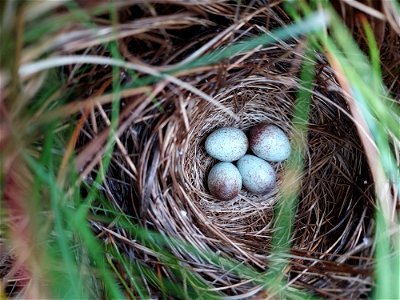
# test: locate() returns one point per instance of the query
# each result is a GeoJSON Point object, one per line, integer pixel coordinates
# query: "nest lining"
{"type": "Point", "coordinates": [247, 215]}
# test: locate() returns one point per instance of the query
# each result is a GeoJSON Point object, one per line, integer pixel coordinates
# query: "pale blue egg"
{"type": "Point", "coordinates": [227, 144]}
{"type": "Point", "coordinates": [258, 176]}
{"type": "Point", "coordinates": [224, 181]}
{"type": "Point", "coordinates": [269, 142]}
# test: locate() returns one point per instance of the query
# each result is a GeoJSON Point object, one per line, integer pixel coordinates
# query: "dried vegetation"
{"type": "Point", "coordinates": [158, 166]}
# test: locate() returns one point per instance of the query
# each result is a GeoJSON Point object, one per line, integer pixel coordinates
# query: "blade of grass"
{"type": "Point", "coordinates": [63, 244]}
{"type": "Point", "coordinates": [312, 23]}
{"type": "Point", "coordinates": [286, 207]}
{"type": "Point", "coordinates": [66, 222]}
{"type": "Point", "coordinates": [387, 260]}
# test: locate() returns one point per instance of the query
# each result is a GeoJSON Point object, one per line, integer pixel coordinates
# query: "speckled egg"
{"type": "Point", "coordinates": [227, 144]}
{"type": "Point", "coordinates": [269, 142]}
{"type": "Point", "coordinates": [258, 175]}
{"type": "Point", "coordinates": [224, 181]}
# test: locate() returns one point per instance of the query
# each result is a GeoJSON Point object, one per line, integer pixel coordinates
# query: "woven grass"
{"type": "Point", "coordinates": [165, 175]}
{"type": "Point", "coordinates": [159, 167]}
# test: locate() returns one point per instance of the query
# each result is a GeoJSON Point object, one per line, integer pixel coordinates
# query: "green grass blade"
{"type": "Point", "coordinates": [286, 206]}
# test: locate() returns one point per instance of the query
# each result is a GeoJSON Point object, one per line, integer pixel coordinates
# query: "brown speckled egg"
{"type": "Point", "coordinates": [224, 181]}
{"type": "Point", "coordinates": [269, 142]}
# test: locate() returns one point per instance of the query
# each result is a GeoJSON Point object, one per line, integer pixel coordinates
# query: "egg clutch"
{"type": "Point", "coordinates": [228, 144]}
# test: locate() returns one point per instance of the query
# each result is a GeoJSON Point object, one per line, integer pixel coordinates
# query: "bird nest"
{"type": "Point", "coordinates": [162, 183]}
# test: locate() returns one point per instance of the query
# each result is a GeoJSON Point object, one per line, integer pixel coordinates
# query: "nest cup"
{"type": "Point", "coordinates": [243, 219]}
{"type": "Point", "coordinates": [334, 186]}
